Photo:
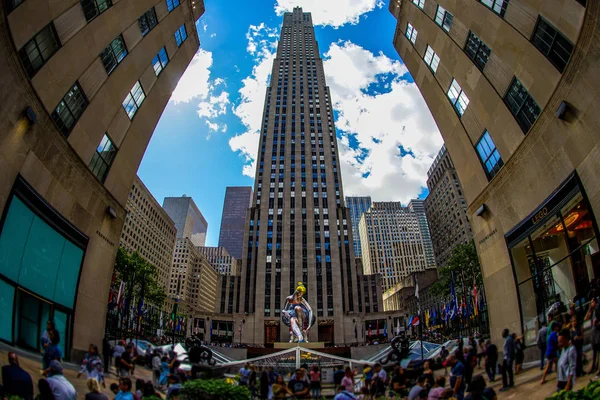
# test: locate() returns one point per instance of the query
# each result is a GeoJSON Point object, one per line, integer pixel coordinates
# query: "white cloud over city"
{"type": "Point", "coordinates": [335, 13]}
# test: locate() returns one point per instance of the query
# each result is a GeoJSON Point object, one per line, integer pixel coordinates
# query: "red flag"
{"type": "Point", "coordinates": [415, 321]}
{"type": "Point", "coordinates": [369, 330]}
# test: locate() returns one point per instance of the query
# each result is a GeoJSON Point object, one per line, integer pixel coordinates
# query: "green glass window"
{"type": "Point", "coordinates": [7, 297]}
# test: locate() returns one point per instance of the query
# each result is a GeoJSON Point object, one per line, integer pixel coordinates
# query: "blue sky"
{"type": "Point", "coordinates": [207, 137]}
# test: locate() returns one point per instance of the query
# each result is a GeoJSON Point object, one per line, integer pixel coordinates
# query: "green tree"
{"type": "Point", "coordinates": [464, 265]}
{"type": "Point", "coordinates": [132, 268]}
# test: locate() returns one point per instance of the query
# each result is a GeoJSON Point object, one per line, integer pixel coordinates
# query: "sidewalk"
{"type": "Point", "coordinates": [32, 364]}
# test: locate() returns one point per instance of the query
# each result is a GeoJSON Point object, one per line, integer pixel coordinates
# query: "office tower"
{"type": "Point", "coordinates": [223, 262]}
{"type": "Point", "coordinates": [418, 207]}
{"type": "Point", "coordinates": [392, 242]}
{"type": "Point", "coordinates": [231, 236]}
{"type": "Point", "coordinates": [357, 206]}
{"type": "Point", "coordinates": [189, 221]}
{"type": "Point", "coordinates": [83, 85]}
{"type": "Point", "coordinates": [298, 228]}
{"type": "Point", "coordinates": [195, 277]}
{"type": "Point", "coordinates": [149, 231]}
{"type": "Point", "coordinates": [511, 85]}
{"type": "Point", "coordinates": [446, 208]}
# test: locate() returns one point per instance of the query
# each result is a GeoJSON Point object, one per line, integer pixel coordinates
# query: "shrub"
{"type": "Point", "coordinates": [213, 389]}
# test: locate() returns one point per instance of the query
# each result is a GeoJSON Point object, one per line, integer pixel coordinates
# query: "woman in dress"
{"type": "Point", "coordinates": [297, 314]}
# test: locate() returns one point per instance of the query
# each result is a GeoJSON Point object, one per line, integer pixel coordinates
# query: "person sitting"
{"type": "Point", "coordinates": [280, 390]}
{"type": "Point", "coordinates": [438, 388]}
{"type": "Point", "coordinates": [125, 386]}
{"type": "Point", "coordinates": [94, 390]}
{"type": "Point", "coordinates": [45, 392]}
{"type": "Point", "coordinates": [299, 386]}
{"type": "Point", "coordinates": [17, 382]}
{"type": "Point", "coordinates": [174, 386]}
{"type": "Point", "coordinates": [343, 394]}
{"type": "Point", "coordinates": [476, 388]}
{"type": "Point", "coordinates": [62, 389]}
{"type": "Point", "coordinates": [415, 391]}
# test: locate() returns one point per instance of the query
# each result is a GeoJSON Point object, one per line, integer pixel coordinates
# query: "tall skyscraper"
{"type": "Point", "coordinates": [189, 221]}
{"type": "Point", "coordinates": [83, 84]}
{"type": "Point", "coordinates": [357, 206]}
{"type": "Point", "coordinates": [233, 221]}
{"type": "Point", "coordinates": [418, 207]}
{"type": "Point", "coordinates": [223, 262]}
{"type": "Point", "coordinates": [446, 208]}
{"type": "Point", "coordinates": [298, 228]}
{"type": "Point", "coordinates": [511, 85]}
{"type": "Point", "coordinates": [392, 242]}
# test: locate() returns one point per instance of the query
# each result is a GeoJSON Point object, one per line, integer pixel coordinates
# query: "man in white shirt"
{"type": "Point", "coordinates": [62, 389]}
{"type": "Point", "coordinates": [567, 363]}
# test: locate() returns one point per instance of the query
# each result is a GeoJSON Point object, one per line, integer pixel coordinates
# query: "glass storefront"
{"type": "Point", "coordinates": [554, 254]}
{"type": "Point", "coordinates": [40, 261]}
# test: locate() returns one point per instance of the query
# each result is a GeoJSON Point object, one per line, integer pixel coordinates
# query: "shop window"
{"type": "Point", "coordinates": [431, 59]}
{"type": "Point", "coordinates": [93, 8]}
{"type": "Point", "coordinates": [134, 100]}
{"type": "Point", "coordinates": [113, 54]}
{"type": "Point", "coordinates": [477, 51]}
{"type": "Point", "coordinates": [37, 51]}
{"type": "Point", "coordinates": [443, 18]}
{"type": "Point", "coordinates": [458, 98]}
{"type": "Point", "coordinates": [69, 110]}
{"type": "Point", "coordinates": [489, 155]}
{"type": "Point", "coordinates": [148, 21]}
{"type": "Point", "coordinates": [497, 6]}
{"type": "Point", "coordinates": [552, 44]}
{"type": "Point", "coordinates": [180, 35]}
{"type": "Point", "coordinates": [522, 106]}
{"type": "Point", "coordinates": [103, 158]}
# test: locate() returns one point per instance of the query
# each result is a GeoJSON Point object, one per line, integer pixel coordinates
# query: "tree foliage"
{"type": "Point", "coordinates": [464, 265]}
{"type": "Point", "coordinates": [132, 268]}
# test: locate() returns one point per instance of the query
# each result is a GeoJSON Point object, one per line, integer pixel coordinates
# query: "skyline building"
{"type": "Point", "coordinates": [188, 219]}
{"type": "Point", "coordinates": [511, 86]}
{"type": "Point", "coordinates": [233, 221]}
{"type": "Point", "coordinates": [357, 206]}
{"type": "Point", "coordinates": [392, 242]}
{"type": "Point", "coordinates": [418, 207]}
{"type": "Point", "coordinates": [223, 262]}
{"type": "Point", "coordinates": [446, 208]}
{"type": "Point", "coordinates": [83, 85]}
{"type": "Point", "coordinates": [298, 228]}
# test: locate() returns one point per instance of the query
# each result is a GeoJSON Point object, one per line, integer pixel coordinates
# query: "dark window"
{"type": "Point", "coordinates": [160, 61]}
{"type": "Point", "coordinates": [477, 51]}
{"type": "Point", "coordinates": [497, 6]}
{"type": "Point", "coordinates": [489, 155]}
{"type": "Point", "coordinates": [134, 99]}
{"type": "Point", "coordinates": [12, 4]}
{"type": "Point", "coordinates": [113, 54]}
{"type": "Point", "coordinates": [148, 21]}
{"type": "Point", "coordinates": [103, 158]}
{"type": "Point", "coordinates": [39, 49]}
{"type": "Point", "coordinates": [67, 112]}
{"type": "Point", "coordinates": [443, 18]}
{"type": "Point", "coordinates": [521, 105]}
{"type": "Point", "coordinates": [582, 2]}
{"type": "Point", "coordinates": [180, 35]}
{"type": "Point", "coordinates": [553, 44]}
{"type": "Point", "coordinates": [171, 4]}
{"type": "Point", "coordinates": [93, 8]}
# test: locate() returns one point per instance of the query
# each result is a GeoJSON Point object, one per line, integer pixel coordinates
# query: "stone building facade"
{"type": "Point", "coordinates": [83, 86]}
{"type": "Point", "coordinates": [512, 86]}
{"type": "Point", "coordinates": [188, 218]}
{"type": "Point", "coordinates": [233, 220]}
{"type": "Point", "coordinates": [223, 262]}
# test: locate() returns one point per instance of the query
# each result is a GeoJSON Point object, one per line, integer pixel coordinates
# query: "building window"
{"type": "Point", "coordinates": [419, 3]}
{"type": "Point", "coordinates": [134, 99]}
{"type": "Point", "coordinates": [39, 49]}
{"type": "Point", "coordinates": [93, 8]}
{"type": "Point", "coordinates": [180, 35]}
{"type": "Point", "coordinates": [103, 158]}
{"type": "Point", "coordinates": [148, 21]}
{"type": "Point", "coordinates": [497, 6]}
{"type": "Point", "coordinates": [160, 61]}
{"type": "Point", "coordinates": [431, 59]}
{"type": "Point", "coordinates": [477, 51]}
{"type": "Point", "coordinates": [411, 33]}
{"type": "Point", "coordinates": [443, 18]}
{"type": "Point", "coordinates": [113, 54]}
{"type": "Point", "coordinates": [69, 110]}
{"type": "Point", "coordinates": [553, 44]}
{"type": "Point", "coordinates": [172, 4]}
{"type": "Point", "coordinates": [489, 155]}
{"type": "Point", "coordinates": [521, 105]}
{"type": "Point", "coordinates": [12, 4]}
{"type": "Point", "coordinates": [458, 98]}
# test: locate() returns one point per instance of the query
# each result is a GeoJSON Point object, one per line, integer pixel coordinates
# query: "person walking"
{"type": "Point", "coordinates": [457, 376]}
{"type": "Point", "coordinates": [577, 340]}
{"type": "Point", "coordinates": [252, 381]}
{"type": "Point", "coordinates": [566, 368]}
{"type": "Point", "coordinates": [90, 364]}
{"type": "Point", "coordinates": [126, 362]}
{"type": "Point", "coordinates": [107, 352]}
{"type": "Point", "coordinates": [52, 349]}
{"type": "Point", "coordinates": [519, 353]}
{"type": "Point", "coordinates": [593, 314]}
{"type": "Point", "coordinates": [244, 374]}
{"type": "Point", "coordinates": [491, 360]}
{"type": "Point", "coordinates": [17, 382]}
{"type": "Point", "coordinates": [348, 380]}
{"type": "Point", "coordinates": [444, 353]}
{"type": "Point", "coordinates": [117, 353]}
{"type": "Point", "coordinates": [94, 390]}
{"type": "Point", "coordinates": [551, 350]}
{"type": "Point", "coordinates": [46, 342]}
{"type": "Point", "coordinates": [507, 361]}
{"type": "Point", "coordinates": [480, 352]}
{"type": "Point", "coordinates": [156, 368]}
{"type": "Point", "coordinates": [541, 343]}
{"type": "Point", "coordinates": [315, 382]}
{"type": "Point", "coordinates": [62, 389]}
{"type": "Point", "coordinates": [264, 384]}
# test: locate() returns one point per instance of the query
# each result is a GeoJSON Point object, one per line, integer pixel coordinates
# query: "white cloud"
{"type": "Point", "coordinates": [204, 27]}
{"type": "Point", "coordinates": [196, 84]}
{"type": "Point", "coordinates": [381, 121]}
{"type": "Point", "coordinates": [330, 12]}
{"type": "Point", "coordinates": [262, 43]}
{"type": "Point", "coordinates": [212, 35]}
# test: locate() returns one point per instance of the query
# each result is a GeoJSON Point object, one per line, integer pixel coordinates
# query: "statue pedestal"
{"type": "Point", "coordinates": [309, 345]}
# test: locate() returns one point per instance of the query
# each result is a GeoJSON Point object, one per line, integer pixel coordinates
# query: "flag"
{"type": "Point", "coordinates": [410, 320]}
{"type": "Point", "coordinates": [415, 321]}
{"type": "Point", "coordinates": [398, 327]}
{"type": "Point", "coordinates": [475, 298]}
{"type": "Point", "coordinates": [385, 329]}
{"type": "Point", "coordinates": [120, 294]}
{"type": "Point", "coordinates": [161, 319]}
{"type": "Point", "coordinates": [369, 331]}
{"type": "Point", "coordinates": [377, 327]}
{"type": "Point", "coordinates": [355, 331]}
{"type": "Point", "coordinates": [454, 305]}
{"type": "Point", "coordinates": [416, 287]}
